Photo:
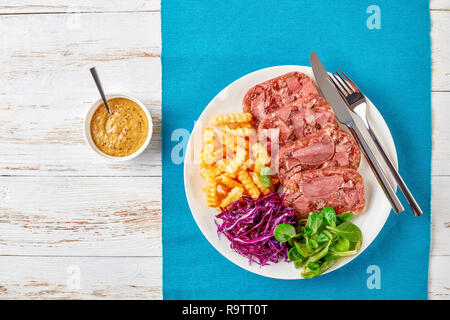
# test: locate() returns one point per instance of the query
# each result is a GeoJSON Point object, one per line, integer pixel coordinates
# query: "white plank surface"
{"type": "Point", "coordinates": [40, 6]}
{"type": "Point", "coordinates": [63, 207]}
{"type": "Point", "coordinates": [47, 89]}
{"type": "Point", "coordinates": [439, 4]}
{"type": "Point", "coordinates": [441, 133]}
{"type": "Point", "coordinates": [80, 278]}
{"type": "Point", "coordinates": [440, 218]}
{"type": "Point", "coordinates": [60, 204]}
{"type": "Point", "coordinates": [81, 216]}
{"type": "Point", "coordinates": [440, 50]}
{"type": "Point", "coordinates": [438, 284]}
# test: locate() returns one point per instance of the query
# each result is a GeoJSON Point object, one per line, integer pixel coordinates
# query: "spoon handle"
{"type": "Point", "coordinates": [99, 87]}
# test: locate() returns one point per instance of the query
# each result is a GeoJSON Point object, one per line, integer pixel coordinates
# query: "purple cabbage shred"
{"type": "Point", "coordinates": [249, 224]}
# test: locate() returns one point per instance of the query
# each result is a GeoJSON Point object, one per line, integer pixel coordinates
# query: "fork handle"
{"type": "Point", "coordinates": [377, 170]}
{"type": "Point", "coordinates": [401, 184]}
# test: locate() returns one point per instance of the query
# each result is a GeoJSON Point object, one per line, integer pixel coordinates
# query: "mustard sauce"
{"type": "Point", "coordinates": [122, 132]}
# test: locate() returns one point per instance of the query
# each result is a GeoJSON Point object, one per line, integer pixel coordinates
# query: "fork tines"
{"type": "Point", "coordinates": [345, 86]}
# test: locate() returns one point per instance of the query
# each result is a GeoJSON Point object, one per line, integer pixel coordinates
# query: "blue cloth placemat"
{"type": "Point", "coordinates": [208, 44]}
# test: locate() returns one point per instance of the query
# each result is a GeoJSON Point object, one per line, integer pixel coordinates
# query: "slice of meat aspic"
{"type": "Point", "coordinates": [314, 159]}
{"type": "Point", "coordinates": [269, 96]}
{"type": "Point", "coordinates": [307, 121]}
{"type": "Point", "coordinates": [327, 148]}
{"type": "Point", "coordinates": [310, 191]}
{"type": "Point", "coordinates": [297, 121]}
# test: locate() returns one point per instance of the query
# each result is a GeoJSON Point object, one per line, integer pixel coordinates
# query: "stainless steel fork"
{"type": "Point", "coordinates": [357, 102]}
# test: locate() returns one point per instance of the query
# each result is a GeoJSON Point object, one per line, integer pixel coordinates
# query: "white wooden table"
{"type": "Point", "coordinates": [73, 226]}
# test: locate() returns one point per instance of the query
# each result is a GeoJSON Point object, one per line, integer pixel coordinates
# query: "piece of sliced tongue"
{"type": "Point", "coordinates": [315, 153]}
{"type": "Point", "coordinates": [310, 191]}
{"type": "Point", "coordinates": [321, 186]}
{"type": "Point", "coordinates": [326, 148]}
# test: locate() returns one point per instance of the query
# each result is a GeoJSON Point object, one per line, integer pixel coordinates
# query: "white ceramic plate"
{"type": "Point", "coordinates": [229, 100]}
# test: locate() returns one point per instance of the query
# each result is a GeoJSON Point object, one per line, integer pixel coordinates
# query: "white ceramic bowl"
{"type": "Point", "coordinates": [87, 127]}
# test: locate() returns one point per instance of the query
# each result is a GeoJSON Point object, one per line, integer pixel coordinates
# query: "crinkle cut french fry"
{"type": "Point", "coordinates": [239, 159]}
{"type": "Point", "coordinates": [258, 166]}
{"type": "Point", "coordinates": [208, 135]}
{"type": "Point", "coordinates": [208, 150]}
{"type": "Point", "coordinates": [221, 165]}
{"type": "Point", "coordinates": [232, 167]}
{"type": "Point", "coordinates": [231, 118]}
{"type": "Point", "coordinates": [242, 131]}
{"type": "Point", "coordinates": [260, 153]}
{"type": "Point", "coordinates": [248, 184]}
{"type": "Point", "coordinates": [255, 178]}
{"type": "Point", "coordinates": [230, 155]}
{"type": "Point", "coordinates": [211, 172]}
{"type": "Point", "coordinates": [234, 195]}
{"type": "Point", "coordinates": [225, 179]}
{"type": "Point", "coordinates": [208, 158]}
{"type": "Point", "coordinates": [211, 193]}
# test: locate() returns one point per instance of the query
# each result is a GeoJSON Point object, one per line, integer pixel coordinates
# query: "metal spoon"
{"type": "Point", "coordinates": [100, 88]}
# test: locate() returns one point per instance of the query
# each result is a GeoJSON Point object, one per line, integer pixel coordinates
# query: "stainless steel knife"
{"type": "Point", "coordinates": [344, 116]}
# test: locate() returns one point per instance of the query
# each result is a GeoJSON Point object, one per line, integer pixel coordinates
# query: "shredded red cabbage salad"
{"type": "Point", "coordinates": [249, 223]}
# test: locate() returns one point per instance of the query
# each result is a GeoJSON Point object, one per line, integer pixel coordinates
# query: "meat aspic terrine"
{"type": "Point", "coordinates": [317, 161]}
{"type": "Point", "coordinates": [327, 148]}
{"type": "Point", "coordinates": [269, 96]}
{"type": "Point", "coordinates": [297, 121]}
{"type": "Point", "coordinates": [310, 191]}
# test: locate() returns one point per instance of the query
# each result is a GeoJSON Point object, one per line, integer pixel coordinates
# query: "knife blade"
{"type": "Point", "coordinates": [344, 116]}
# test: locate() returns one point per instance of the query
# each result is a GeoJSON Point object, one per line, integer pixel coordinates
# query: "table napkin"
{"type": "Point", "coordinates": [384, 45]}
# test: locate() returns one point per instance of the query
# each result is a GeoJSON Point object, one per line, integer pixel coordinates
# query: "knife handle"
{"type": "Point", "coordinates": [401, 184]}
{"type": "Point", "coordinates": [377, 170]}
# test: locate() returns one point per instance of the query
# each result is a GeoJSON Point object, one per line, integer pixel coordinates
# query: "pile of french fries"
{"type": "Point", "coordinates": [231, 160]}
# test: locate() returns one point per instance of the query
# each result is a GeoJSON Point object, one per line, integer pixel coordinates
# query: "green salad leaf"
{"type": "Point", "coordinates": [347, 216]}
{"type": "Point", "coordinates": [347, 230]}
{"type": "Point", "coordinates": [329, 216]}
{"type": "Point", "coordinates": [264, 177]}
{"type": "Point", "coordinates": [318, 242]}
{"type": "Point", "coordinates": [284, 232]}
{"type": "Point", "coordinates": [313, 224]}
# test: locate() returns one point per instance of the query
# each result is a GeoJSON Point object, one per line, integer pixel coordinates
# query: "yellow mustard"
{"type": "Point", "coordinates": [122, 132]}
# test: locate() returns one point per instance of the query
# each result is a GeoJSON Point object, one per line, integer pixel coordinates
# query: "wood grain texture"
{"type": "Point", "coordinates": [46, 89]}
{"type": "Point", "coordinates": [95, 216]}
{"type": "Point", "coordinates": [58, 198]}
{"type": "Point", "coordinates": [439, 4]}
{"type": "Point", "coordinates": [441, 133]}
{"type": "Point", "coordinates": [51, 6]}
{"type": "Point", "coordinates": [439, 284]}
{"type": "Point", "coordinates": [99, 278]}
{"type": "Point", "coordinates": [440, 50]}
{"type": "Point", "coordinates": [440, 218]}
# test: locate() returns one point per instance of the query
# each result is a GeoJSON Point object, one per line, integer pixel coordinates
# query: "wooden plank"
{"type": "Point", "coordinates": [440, 50]}
{"type": "Point", "coordinates": [439, 278]}
{"type": "Point", "coordinates": [441, 133]}
{"type": "Point", "coordinates": [80, 216]}
{"type": "Point", "coordinates": [440, 217]}
{"type": "Point", "coordinates": [39, 6]}
{"type": "Point", "coordinates": [439, 282]}
{"type": "Point", "coordinates": [80, 278]}
{"type": "Point", "coordinates": [46, 89]}
{"type": "Point", "coordinates": [439, 4]}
